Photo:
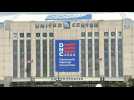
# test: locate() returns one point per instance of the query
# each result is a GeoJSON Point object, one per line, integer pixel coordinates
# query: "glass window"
{"type": "Point", "coordinates": [119, 34]}
{"type": "Point", "coordinates": [42, 26]}
{"type": "Point", "coordinates": [54, 25]}
{"type": "Point", "coordinates": [106, 34]}
{"type": "Point", "coordinates": [44, 34]}
{"type": "Point", "coordinates": [37, 34]}
{"type": "Point", "coordinates": [36, 25]}
{"type": "Point", "coordinates": [95, 25]}
{"type": "Point", "coordinates": [38, 58]}
{"type": "Point", "coordinates": [91, 25]}
{"type": "Point", "coordinates": [49, 25]}
{"type": "Point", "coordinates": [15, 58]}
{"type": "Point", "coordinates": [28, 45]}
{"type": "Point", "coordinates": [106, 57]}
{"type": "Point", "coordinates": [51, 34]}
{"type": "Point", "coordinates": [22, 59]}
{"type": "Point", "coordinates": [77, 24]}
{"type": "Point", "coordinates": [82, 25]}
{"type": "Point", "coordinates": [97, 72]}
{"type": "Point", "coordinates": [83, 34]}
{"type": "Point", "coordinates": [45, 58]}
{"type": "Point", "coordinates": [21, 34]}
{"type": "Point", "coordinates": [51, 57]}
{"type": "Point", "coordinates": [89, 34]}
{"type": "Point", "coordinates": [73, 25]}
{"type": "Point", "coordinates": [66, 24]}
{"type": "Point", "coordinates": [90, 57]}
{"type": "Point", "coordinates": [59, 25]}
{"type": "Point", "coordinates": [15, 35]}
{"type": "Point", "coordinates": [96, 34]}
{"type": "Point", "coordinates": [28, 34]}
{"type": "Point", "coordinates": [83, 59]}
{"type": "Point", "coordinates": [46, 25]}
{"type": "Point", "coordinates": [86, 24]}
{"type": "Point", "coordinates": [120, 58]}
{"type": "Point", "coordinates": [113, 60]}
{"type": "Point", "coordinates": [112, 33]}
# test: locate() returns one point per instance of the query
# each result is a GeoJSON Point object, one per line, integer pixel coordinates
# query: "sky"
{"type": "Point", "coordinates": [40, 16]}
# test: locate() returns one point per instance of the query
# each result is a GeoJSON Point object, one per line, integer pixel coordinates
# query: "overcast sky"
{"type": "Point", "coordinates": [40, 16]}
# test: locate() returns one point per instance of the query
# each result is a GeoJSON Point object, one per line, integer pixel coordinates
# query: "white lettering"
{"type": "Point", "coordinates": [61, 45]}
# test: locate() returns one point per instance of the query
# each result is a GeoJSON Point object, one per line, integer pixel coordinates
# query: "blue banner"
{"type": "Point", "coordinates": [67, 55]}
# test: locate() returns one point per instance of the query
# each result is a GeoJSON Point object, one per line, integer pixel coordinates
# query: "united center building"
{"type": "Point", "coordinates": [72, 50]}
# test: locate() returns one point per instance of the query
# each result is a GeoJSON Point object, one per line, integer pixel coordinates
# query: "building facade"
{"type": "Point", "coordinates": [104, 48]}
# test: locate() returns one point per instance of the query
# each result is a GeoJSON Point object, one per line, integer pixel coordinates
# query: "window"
{"type": "Point", "coordinates": [86, 24]}
{"type": "Point", "coordinates": [83, 34]}
{"type": "Point", "coordinates": [42, 26]}
{"type": "Point", "coordinates": [54, 25]}
{"type": "Point", "coordinates": [113, 60]}
{"type": "Point", "coordinates": [28, 34]}
{"type": "Point", "coordinates": [49, 25]}
{"type": "Point", "coordinates": [46, 26]}
{"type": "Point", "coordinates": [15, 58]}
{"type": "Point", "coordinates": [119, 34]}
{"type": "Point", "coordinates": [91, 25]}
{"type": "Point", "coordinates": [78, 25]}
{"type": "Point", "coordinates": [28, 45]}
{"type": "Point", "coordinates": [44, 34]}
{"type": "Point", "coordinates": [36, 25]}
{"type": "Point", "coordinates": [73, 25]}
{"type": "Point", "coordinates": [51, 34]}
{"type": "Point", "coordinates": [44, 57]}
{"type": "Point", "coordinates": [37, 34]}
{"type": "Point", "coordinates": [97, 73]}
{"type": "Point", "coordinates": [112, 34]}
{"type": "Point", "coordinates": [21, 35]}
{"type": "Point", "coordinates": [82, 25]}
{"type": "Point", "coordinates": [83, 58]}
{"type": "Point", "coordinates": [95, 25]}
{"type": "Point", "coordinates": [59, 25]}
{"type": "Point", "coordinates": [15, 35]}
{"type": "Point", "coordinates": [22, 58]}
{"type": "Point", "coordinates": [90, 57]}
{"type": "Point", "coordinates": [66, 24]}
{"type": "Point", "coordinates": [51, 57]}
{"type": "Point", "coordinates": [96, 34]}
{"type": "Point", "coordinates": [89, 34]}
{"type": "Point", "coordinates": [38, 58]}
{"type": "Point", "coordinates": [106, 57]}
{"type": "Point", "coordinates": [120, 58]}
{"type": "Point", "coordinates": [106, 34]}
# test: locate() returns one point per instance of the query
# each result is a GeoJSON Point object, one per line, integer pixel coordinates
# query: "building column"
{"type": "Point", "coordinates": [101, 53]}
{"type": "Point", "coordinates": [11, 51]}
{"type": "Point", "coordinates": [33, 55]}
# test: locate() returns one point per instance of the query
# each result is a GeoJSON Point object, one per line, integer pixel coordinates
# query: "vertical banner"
{"type": "Point", "coordinates": [67, 55]}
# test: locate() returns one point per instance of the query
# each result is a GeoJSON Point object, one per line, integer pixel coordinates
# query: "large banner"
{"type": "Point", "coordinates": [67, 55]}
